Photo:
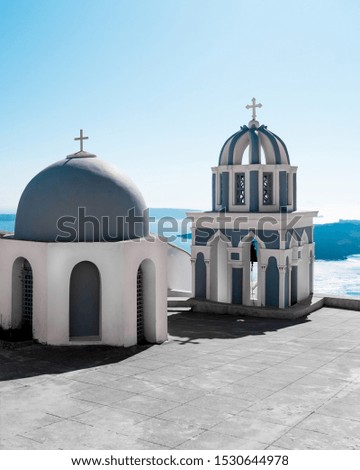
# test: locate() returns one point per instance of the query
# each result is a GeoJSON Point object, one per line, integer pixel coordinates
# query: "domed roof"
{"type": "Point", "coordinates": [81, 199]}
{"type": "Point", "coordinates": [259, 140]}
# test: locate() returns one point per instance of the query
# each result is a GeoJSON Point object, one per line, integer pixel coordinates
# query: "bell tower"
{"type": "Point", "coordinates": [254, 247]}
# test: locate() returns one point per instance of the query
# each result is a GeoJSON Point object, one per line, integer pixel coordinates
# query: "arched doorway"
{"type": "Point", "coordinates": [85, 301]}
{"type": "Point", "coordinates": [272, 283]}
{"type": "Point", "coordinates": [146, 302]}
{"type": "Point", "coordinates": [200, 277]}
{"type": "Point", "coordinates": [22, 295]}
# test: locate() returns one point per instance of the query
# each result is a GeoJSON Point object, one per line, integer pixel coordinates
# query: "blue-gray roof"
{"type": "Point", "coordinates": [260, 141]}
{"type": "Point", "coordinates": [88, 195]}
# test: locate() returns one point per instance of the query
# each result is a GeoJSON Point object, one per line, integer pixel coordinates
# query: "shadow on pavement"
{"type": "Point", "coordinates": [29, 359]}
{"type": "Point", "coordinates": [33, 359]}
{"type": "Point", "coordinates": [188, 326]}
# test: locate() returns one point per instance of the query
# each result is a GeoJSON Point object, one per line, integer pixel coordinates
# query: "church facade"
{"type": "Point", "coordinates": [254, 248]}
{"type": "Point", "coordinates": [81, 267]}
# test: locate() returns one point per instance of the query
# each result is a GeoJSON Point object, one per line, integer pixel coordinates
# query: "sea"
{"type": "Point", "coordinates": [332, 277]}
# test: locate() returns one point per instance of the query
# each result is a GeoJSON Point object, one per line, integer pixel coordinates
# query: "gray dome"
{"type": "Point", "coordinates": [81, 199]}
{"type": "Point", "coordinates": [259, 140]}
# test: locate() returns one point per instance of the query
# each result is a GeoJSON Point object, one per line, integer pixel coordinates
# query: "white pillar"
{"type": "Point", "coordinates": [207, 264]}
{"type": "Point", "coordinates": [230, 282]}
{"type": "Point", "coordinates": [262, 284]}
{"type": "Point", "coordinates": [311, 265]}
{"type": "Point", "coordinates": [289, 274]}
{"type": "Point", "coordinates": [193, 277]}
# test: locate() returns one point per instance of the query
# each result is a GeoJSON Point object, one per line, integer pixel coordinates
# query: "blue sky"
{"type": "Point", "coordinates": [158, 85]}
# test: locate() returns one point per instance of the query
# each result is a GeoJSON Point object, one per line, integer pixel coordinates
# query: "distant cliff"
{"type": "Point", "coordinates": [337, 240]}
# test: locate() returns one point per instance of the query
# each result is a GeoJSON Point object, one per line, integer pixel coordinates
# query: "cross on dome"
{"type": "Point", "coordinates": [81, 138]}
{"type": "Point", "coordinates": [81, 153]}
{"type": "Point", "coordinates": [253, 106]}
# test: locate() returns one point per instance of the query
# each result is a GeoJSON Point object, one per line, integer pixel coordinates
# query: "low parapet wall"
{"type": "Point", "coordinates": [302, 309]}
{"type": "Point", "coordinates": [291, 313]}
{"type": "Point", "coordinates": [345, 303]}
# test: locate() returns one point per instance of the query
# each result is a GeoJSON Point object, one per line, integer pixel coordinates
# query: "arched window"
{"type": "Point", "coordinates": [267, 190]}
{"type": "Point", "coordinates": [240, 189]}
{"type": "Point", "coordinates": [140, 306]}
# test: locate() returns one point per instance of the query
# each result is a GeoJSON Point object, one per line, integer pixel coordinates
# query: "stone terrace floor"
{"type": "Point", "coordinates": [220, 382]}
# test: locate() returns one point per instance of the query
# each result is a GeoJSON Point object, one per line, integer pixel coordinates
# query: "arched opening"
{"type": "Point", "coordinates": [251, 256]}
{"type": "Point", "coordinates": [245, 160]}
{"type": "Point", "coordinates": [272, 283]}
{"type": "Point", "coordinates": [146, 302]}
{"type": "Point", "coordinates": [85, 302]}
{"type": "Point", "coordinates": [254, 284]}
{"type": "Point", "coordinates": [22, 295]}
{"type": "Point", "coordinates": [200, 277]}
{"type": "Point", "coordinates": [219, 270]}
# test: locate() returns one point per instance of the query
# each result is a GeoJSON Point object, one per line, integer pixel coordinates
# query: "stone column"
{"type": "Point", "coordinates": [311, 273]}
{"type": "Point", "coordinates": [193, 276]}
{"type": "Point", "coordinates": [207, 264]}
{"type": "Point", "coordinates": [262, 284]}
{"type": "Point", "coordinates": [289, 274]}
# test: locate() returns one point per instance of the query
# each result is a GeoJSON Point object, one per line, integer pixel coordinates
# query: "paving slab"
{"type": "Point", "coordinates": [174, 393]}
{"type": "Point", "coordinates": [319, 422]}
{"type": "Point", "coordinates": [145, 405]}
{"type": "Point", "coordinates": [210, 440]}
{"type": "Point", "coordinates": [111, 420]}
{"type": "Point", "coordinates": [101, 395]}
{"type": "Point", "coordinates": [191, 415]}
{"type": "Point", "coordinates": [303, 439]}
{"type": "Point", "coordinates": [164, 433]}
{"type": "Point", "coordinates": [228, 404]}
{"type": "Point", "coordinates": [73, 435]}
{"type": "Point", "coordinates": [251, 428]}
{"type": "Point", "coordinates": [278, 412]}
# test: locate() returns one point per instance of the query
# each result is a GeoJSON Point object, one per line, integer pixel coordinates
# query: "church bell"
{"type": "Point", "coordinates": [253, 255]}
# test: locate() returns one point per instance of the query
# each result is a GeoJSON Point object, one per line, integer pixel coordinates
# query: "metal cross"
{"type": "Point", "coordinates": [253, 106]}
{"type": "Point", "coordinates": [81, 138]}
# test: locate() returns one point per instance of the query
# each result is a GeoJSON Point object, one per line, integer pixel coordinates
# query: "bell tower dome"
{"type": "Point", "coordinates": [267, 183]}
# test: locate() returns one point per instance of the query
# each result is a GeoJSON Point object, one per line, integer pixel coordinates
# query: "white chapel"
{"type": "Point", "coordinates": [81, 267]}
{"type": "Point", "coordinates": [254, 248]}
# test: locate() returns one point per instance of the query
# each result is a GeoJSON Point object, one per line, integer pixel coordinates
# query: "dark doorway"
{"type": "Point", "coordinates": [85, 301]}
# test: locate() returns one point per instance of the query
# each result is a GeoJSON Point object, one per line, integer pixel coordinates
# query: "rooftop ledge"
{"type": "Point", "coordinates": [299, 310]}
